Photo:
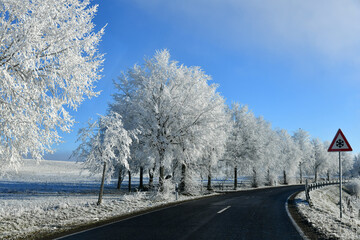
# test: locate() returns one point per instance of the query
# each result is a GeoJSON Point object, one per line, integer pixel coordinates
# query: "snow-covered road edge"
{"type": "Point", "coordinates": [302, 234]}
{"type": "Point", "coordinates": [323, 217]}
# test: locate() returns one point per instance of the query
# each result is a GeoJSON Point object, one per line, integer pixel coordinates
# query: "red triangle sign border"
{"type": "Point", "coordinates": [331, 148]}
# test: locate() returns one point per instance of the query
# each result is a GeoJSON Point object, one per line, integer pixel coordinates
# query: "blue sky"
{"type": "Point", "coordinates": [297, 63]}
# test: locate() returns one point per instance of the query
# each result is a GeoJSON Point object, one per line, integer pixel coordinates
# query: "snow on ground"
{"type": "Point", "coordinates": [325, 213]}
{"type": "Point", "coordinates": [25, 215]}
{"type": "Point", "coordinates": [49, 171]}
{"type": "Point", "coordinates": [55, 195]}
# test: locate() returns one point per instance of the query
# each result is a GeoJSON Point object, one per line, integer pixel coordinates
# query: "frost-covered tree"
{"type": "Point", "coordinates": [49, 62]}
{"type": "Point", "coordinates": [216, 144]}
{"type": "Point", "coordinates": [302, 140]}
{"type": "Point", "coordinates": [242, 146]}
{"type": "Point", "coordinates": [174, 107]}
{"type": "Point", "coordinates": [104, 141]}
{"type": "Point", "coordinates": [141, 161]}
{"type": "Point", "coordinates": [258, 150]}
{"type": "Point", "coordinates": [319, 157]}
{"type": "Point", "coordinates": [211, 148]}
{"type": "Point", "coordinates": [332, 162]}
{"type": "Point", "coordinates": [356, 166]}
{"type": "Point", "coordinates": [104, 145]}
{"type": "Point", "coordinates": [268, 161]}
{"type": "Point", "coordinates": [232, 154]}
{"type": "Point", "coordinates": [347, 161]}
{"type": "Point", "coordinates": [288, 156]}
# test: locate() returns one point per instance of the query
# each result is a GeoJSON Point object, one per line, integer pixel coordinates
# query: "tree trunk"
{"type": "Point", "coordinates": [328, 175]}
{"type": "Point", "coordinates": [254, 184]}
{"type": "Point", "coordinates": [161, 169]}
{"type": "Point", "coordinates": [235, 178]}
{"type": "Point", "coordinates": [141, 186]}
{"type": "Point", "coordinates": [300, 173]}
{"type": "Point", "coordinates": [151, 179]}
{"type": "Point", "coordinates": [182, 181]}
{"type": "Point", "coordinates": [102, 185]}
{"type": "Point", "coordinates": [268, 178]}
{"type": "Point", "coordinates": [316, 174]}
{"type": "Point", "coordinates": [120, 178]}
{"type": "Point", "coordinates": [209, 188]}
{"type": "Point", "coordinates": [161, 178]}
{"type": "Point", "coordinates": [209, 183]}
{"type": "Point", "coordinates": [285, 181]}
{"type": "Point", "coordinates": [174, 167]}
{"type": "Point", "coordinates": [129, 173]}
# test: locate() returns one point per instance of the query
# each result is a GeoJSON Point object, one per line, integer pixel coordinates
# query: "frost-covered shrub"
{"type": "Point", "coordinates": [192, 183]}
{"type": "Point", "coordinates": [354, 187]}
{"type": "Point", "coordinates": [166, 194]}
{"type": "Point", "coordinates": [134, 197]}
{"type": "Point", "coordinates": [259, 177]}
{"type": "Point", "coordinates": [271, 178]}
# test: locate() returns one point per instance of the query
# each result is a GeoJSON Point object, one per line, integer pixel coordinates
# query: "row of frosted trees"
{"type": "Point", "coordinates": [254, 149]}
{"type": "Point", "coordinates": [167, 121]}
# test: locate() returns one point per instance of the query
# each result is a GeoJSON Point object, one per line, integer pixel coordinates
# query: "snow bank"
{"type": "Point", "coordinates": [325, 213]}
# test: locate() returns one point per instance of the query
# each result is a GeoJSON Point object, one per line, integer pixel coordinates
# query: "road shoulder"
{"type": "Point", "coordinates": [307, 230]}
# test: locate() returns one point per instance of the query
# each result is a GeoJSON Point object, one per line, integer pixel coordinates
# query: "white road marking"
{"type": "Point", "coordinates": [222, 210]}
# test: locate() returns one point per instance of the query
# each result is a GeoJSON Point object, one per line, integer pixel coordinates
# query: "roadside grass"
{"type": "Point", "coordinates": [324, 216]}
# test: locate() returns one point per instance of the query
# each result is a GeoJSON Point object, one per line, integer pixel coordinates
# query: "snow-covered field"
{"type": "Point", "coordinates": [325, 213]}
{"type": "Point", "coordinates": [55, 196]}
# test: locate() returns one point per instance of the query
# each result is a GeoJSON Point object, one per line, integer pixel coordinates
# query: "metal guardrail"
{"type": "Point", "coordinates": [314, 186]}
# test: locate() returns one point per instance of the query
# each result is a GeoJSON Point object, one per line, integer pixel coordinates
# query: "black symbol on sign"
{"type": "Point", "coordinates": [339, 143]}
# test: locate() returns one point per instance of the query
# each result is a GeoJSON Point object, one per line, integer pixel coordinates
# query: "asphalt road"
{"type": "Point", "coordinates": [258, 214]}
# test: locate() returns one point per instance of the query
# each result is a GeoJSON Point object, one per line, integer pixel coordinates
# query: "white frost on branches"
{"type": "Point", "coordinates": [48, 61]}
{"type": "Point", "coordinates": [177, 111]}
{"type": "Point", "coordinates": [104, 141]}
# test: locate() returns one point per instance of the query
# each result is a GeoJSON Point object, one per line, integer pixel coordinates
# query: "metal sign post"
{"type": "Point", "coordinates": [340, 186]}
{"type": "Point", "coordinates": [340, 144]}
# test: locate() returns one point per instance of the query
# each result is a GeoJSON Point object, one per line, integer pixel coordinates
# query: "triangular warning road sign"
{"type": "Point", "coordinates": [339, 144]}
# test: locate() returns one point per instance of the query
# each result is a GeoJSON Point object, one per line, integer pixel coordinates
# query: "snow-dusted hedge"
{"type": "Point", "coordinates": [354, 187]}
